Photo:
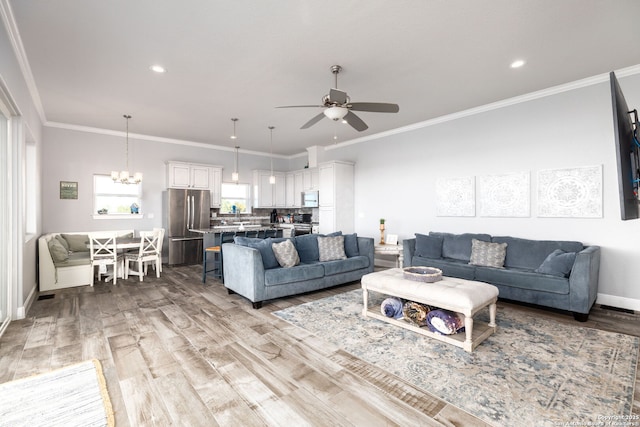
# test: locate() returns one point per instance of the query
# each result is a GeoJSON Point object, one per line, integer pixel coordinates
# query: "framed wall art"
{"type": "Point", "coordinates": [570, 193]}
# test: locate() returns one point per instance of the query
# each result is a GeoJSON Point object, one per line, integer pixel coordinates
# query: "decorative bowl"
{"type": "Point", "coordinates": [422, 274]}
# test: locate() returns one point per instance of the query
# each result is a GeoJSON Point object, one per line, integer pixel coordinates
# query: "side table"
{"type": "Point", "coordinates": [390, 250]}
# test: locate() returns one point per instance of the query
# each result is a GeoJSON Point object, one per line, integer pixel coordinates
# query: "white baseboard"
{"type": "Point", "coordinates": [21, 312]}
{"type": "Point", "coordinates": [619, 302]}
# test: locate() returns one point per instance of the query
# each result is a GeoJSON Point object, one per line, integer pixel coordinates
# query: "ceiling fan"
{"type": "Point", "coordinates": [338, 106]}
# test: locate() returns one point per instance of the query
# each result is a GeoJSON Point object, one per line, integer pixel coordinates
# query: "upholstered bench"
{"type": "Point", "coordinates": [459, 295]}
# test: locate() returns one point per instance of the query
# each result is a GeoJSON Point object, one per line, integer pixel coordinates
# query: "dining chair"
{"type": "Point", "coordinates": [103, 251]}
{"type": "Point", "coordinates": [216, 253]}
{"type": "Point", "coordinates": [160, 232]}
{"type": "Point", "coordinates": [147, 252]}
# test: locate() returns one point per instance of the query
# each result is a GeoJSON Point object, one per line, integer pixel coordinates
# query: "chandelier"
{"type": "Point", "coordinates": [124, 176]}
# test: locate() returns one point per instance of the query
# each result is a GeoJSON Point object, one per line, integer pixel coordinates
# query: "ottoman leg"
{"type": "Point", "coordinates": [492, 315]}
{"type": "Point", "coordinates": [365, 301]}
{"type": "Point", "coordinates": [468, 330]}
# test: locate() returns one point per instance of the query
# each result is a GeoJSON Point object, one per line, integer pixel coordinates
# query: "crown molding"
{"type": "Point", "coordinates": [142, 137]}
{"type": "Point", "coordinates": [555, 90]}
{"type": "Point", "coordinates": [21, 55]}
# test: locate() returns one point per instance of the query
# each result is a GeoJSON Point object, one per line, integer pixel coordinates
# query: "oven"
{"type": "Point", "coordinates": [300, 228]}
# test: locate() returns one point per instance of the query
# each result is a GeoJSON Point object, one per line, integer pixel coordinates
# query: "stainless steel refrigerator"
{"type": "Point", "coordinates": [186, 210]}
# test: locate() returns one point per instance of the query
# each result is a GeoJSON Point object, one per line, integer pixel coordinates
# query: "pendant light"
{"type": "Point", "coordinates": [235, 176]}
{"type": "Point", "coordinates": [272, 178]}
{"type": "Point", "coordinates": [234, 120]}
{"type": "Point", "coordinates": [123, 176]}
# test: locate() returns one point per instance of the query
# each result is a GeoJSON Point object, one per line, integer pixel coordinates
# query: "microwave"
{"type": "Point", "coordinates": [310, 199]}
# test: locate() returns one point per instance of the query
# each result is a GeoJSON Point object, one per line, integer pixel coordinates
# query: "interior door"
{"type": "Point", "coordinates": [5, 236]}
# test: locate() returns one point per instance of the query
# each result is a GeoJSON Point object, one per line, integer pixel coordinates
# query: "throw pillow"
{"type": "Point", "coordinates": [264, 246]}
{"type": "Point", "coordinates": [487, 254]}
{"type": "Point", "coordinates": [57, 251]}
{"type": "Point", "coordinates": [77, 242]}
{"type": "Point", "coordinates": [63, 242]}
{"type": "Point", "coordinates": [286, 253]}
{"type": "Point", "coordinates": [351, 248]}
{"type": "Point", "coordinates": [307, 247]}
{"type": "Point", "coordinates": [428, 246]}
{"type": "Point", "coordinates": [331, 248]}
{"type": "Point", "coordinates": [557, 263]}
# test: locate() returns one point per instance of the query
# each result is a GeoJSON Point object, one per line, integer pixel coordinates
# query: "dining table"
{"type": "Point", "coordinates": [122, 245]}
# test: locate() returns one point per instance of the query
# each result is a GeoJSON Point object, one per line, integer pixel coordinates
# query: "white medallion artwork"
{"type": "Point", "coordinates": [506, 195]}
{"type": "Point", "coordinates": [456, 196]}
{"type": "Point", "coordinates": [570, 193]}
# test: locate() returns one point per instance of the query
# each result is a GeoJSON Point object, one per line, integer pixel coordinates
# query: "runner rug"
{"type": "Point", "coordinates": [532, 371]}
{"type": "Point", "coordinates": [72, 396]}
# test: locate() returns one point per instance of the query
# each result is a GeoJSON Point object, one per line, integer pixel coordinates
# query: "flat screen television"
{"type": "Point", "coordinates": [627, 152]}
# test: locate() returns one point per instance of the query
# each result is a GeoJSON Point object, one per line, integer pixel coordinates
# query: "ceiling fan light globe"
{"type": "Point", "coordinates": [336, 113]}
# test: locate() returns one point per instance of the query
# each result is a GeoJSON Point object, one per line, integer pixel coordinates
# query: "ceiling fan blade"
{"type": "Point", "coordinates": [338, 96]}
{"type": "Point", "coordinates": [313, 121]}
{"type": "Point", "coordinates": [376, 107]}
{"type": "Point", "coordinates": [301, 106]}
{"type": "Point", "coordinates": [355, 122]}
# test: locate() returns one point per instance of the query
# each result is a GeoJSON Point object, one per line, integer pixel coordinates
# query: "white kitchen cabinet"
{"type": "Point", "coordinates": [289, 189]}
{"type": "Point", "coordinates": [196, 176]}
{"type": "Point", "coordinates": [310, 179]}
{"type": "Point", "coordinates": [267, 195]}
{"type": "Point", "coordinates": [336, 193]}
{"type": "Point", "coordinates": [216, 186]}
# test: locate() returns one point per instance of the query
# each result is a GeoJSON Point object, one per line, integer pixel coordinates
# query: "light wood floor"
{"type": "Point", "coordinates": [175, 352]}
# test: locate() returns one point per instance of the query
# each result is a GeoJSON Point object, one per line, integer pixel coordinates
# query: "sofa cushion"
{"type": "Point", "coordinates": [77, 242]}
{"type": "Point", "coordinates": [307, 247]}
{"type": "Point", "coordinates": [351, 248]}
{"type": "Point", "coordinates": [449, 267]}
{"type": "Point", "coordinates": [458, 246]}
{"type": "Point", "coordinates": [58, 253]}
{"type": "Point", "coordinates": [264, 246]}
{"type": "Point", "coordinates": [523, 279]}
{"type": "Point", "coordinates": [76, 258]}
{"type": "Point", "coordinates": [487, 254]}
{"type": "Point", "coordinates": [345, 265]}
{"type": "Point", "coordinates": [331, 248]}
{"type": "Point", "coordinates": [428, 246]}
{"type": "Point", "coordinates": [299, 273]}
{"type": "Point", "coordinates": [529, 254]}
{"type": "Point", "coordinates": [286, 254]}
{"type": "Point", "coordinates": [557, 263]}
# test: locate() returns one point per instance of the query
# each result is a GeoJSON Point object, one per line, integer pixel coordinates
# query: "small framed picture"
{"type": "Point", "coordinates": [392, 239]}
{"type": "Point", "coordinates": [68, 189]}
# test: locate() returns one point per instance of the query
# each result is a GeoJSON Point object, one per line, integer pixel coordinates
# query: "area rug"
{"type": "Point", "coordinates": [72, 396]}
{"type": "Point", "coordinates": [532, 371]}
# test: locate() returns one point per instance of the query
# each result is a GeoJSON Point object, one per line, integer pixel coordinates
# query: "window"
{"type": "Point", "coordinates": [114, 198]}
{"type": "Point", "coordinates": [238, 195]}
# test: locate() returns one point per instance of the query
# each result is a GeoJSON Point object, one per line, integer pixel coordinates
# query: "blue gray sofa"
{"type": "Point", "coordinates": [557, 274]}
{"type": "Point", "coordinates": [252, 270]}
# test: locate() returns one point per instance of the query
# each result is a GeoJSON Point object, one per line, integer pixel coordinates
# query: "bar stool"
{"type": "Point", "coordinates": [270, 233]}
{"type": "Point", "coordinates": [216, 252]}
{"type": "Point", "coordinates": [253, 234]}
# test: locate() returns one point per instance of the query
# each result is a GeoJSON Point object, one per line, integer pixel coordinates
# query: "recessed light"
{"type": "Point", "coordinates": [158, 69]}
{"type": "Point", "coordinates": [517, 64]}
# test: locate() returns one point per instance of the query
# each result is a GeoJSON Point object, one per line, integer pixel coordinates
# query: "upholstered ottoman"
{"type": "Point", "coordinates": [459, 295]}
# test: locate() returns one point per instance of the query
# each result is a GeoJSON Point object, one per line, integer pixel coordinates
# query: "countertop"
{"type": "Point", "coordinates": [222, 228]}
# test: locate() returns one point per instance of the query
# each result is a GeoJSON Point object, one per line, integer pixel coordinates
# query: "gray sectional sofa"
{"type": "Point", "coordinates": [252, 270]}
{"type": "Point", "coordinates": [556, 274]}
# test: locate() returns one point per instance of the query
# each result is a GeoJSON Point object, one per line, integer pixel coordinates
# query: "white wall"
{"type": "Point", "coordinates": [396, 176]}
{"type": "Point", "coordinates": [75, 155]}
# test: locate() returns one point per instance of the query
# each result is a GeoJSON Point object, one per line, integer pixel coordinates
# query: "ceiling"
{"type": "Point", "coordinates": [90, 61]}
